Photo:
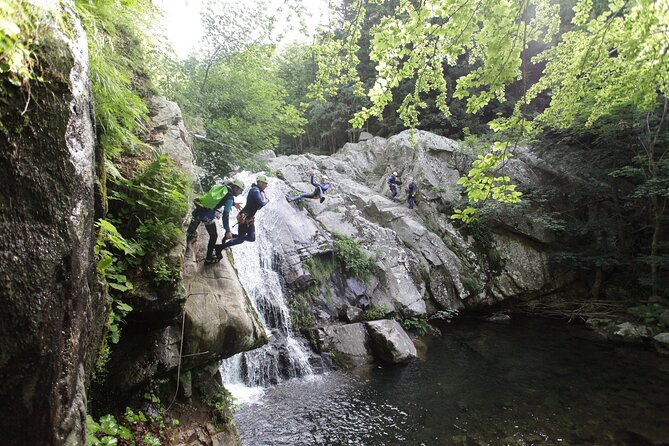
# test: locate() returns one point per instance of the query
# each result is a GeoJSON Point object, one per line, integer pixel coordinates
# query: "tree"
{"type": "Point", "coordinates": [590, 66]}
{"type": "Point", "coordinates": [606, 56]}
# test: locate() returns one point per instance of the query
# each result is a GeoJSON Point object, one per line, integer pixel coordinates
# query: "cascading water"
{"type": "Point", "coordinates": [284, 356]}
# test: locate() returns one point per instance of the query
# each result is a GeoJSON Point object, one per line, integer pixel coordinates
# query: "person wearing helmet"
{"type": "Point", "coordinates": [255, 200]}
{"type": "Point", "coordinates": [411, 193]}
{"type": "Point", "coordinates": [319, 191]}
{"type": "Point", "coordinates": [206, 207]}
{"type": "Point", "coordinates": [393, 182]}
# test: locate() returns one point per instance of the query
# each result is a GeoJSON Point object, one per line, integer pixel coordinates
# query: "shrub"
{"type": "Point", "coordinates": [223, 406]}
{"type": "Point", "coordinates": [375, 313]}
{"type": "Point", "coordinates": [354, 259]}
{"type": "Point", "coordinates": [152, 204]}
{"type": "Point", "coordinates": [133, 428]}
{"type": "Point", "coordinates": [420, 325]}
{"type": "Point", "coordinates": [445, 315]}
{"type": "Point", "coordinates": [319, 267]}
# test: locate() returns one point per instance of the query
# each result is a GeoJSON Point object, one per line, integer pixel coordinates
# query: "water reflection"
{"type": "Point", "coordinates": [532, 382]}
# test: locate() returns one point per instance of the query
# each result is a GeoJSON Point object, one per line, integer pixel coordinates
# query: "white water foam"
{"type": "Point", "coordinates": [246, 374]}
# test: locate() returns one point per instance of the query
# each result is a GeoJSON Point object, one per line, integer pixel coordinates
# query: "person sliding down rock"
{"type": "Point", "coordinates": [255, 200]}
{"type": "Point", "coordinates": [319, 191]}
{"type": "Point", "coordinates": [393, 182]}
{"type": "Point", "coordinates": [221, 195]}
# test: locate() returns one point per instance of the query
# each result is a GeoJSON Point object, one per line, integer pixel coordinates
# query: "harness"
{"type": "Point", "coordinates": [244, 219]}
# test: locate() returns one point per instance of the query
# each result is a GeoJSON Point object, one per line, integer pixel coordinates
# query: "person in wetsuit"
{"type": "Point", "coordinates": [255, 200]}
{"type": "Point", "coordinates": [393, 182]}
{"type": "Point", "coordinates": [205, 212]}
{"type": "Point", "coordinates": [319, 191]}
{"type": "Point", "coordinates": [411, 193]}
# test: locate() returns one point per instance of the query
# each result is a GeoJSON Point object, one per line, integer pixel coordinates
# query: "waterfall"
{"type": "Point", "coordinates": [284, 356]}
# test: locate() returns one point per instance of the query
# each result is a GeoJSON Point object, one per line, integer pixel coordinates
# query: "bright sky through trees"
{"type": "Point", "coordinates": [184, 27]}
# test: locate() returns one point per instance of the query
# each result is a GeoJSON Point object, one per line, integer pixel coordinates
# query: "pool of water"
{"type": "Point", "coordinates": [531, 382]}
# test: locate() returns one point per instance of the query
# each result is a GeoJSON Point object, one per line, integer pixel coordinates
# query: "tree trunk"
{"type": "Point", "coordinates": [657, 226]}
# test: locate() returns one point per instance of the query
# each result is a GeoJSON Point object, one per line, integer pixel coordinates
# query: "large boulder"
{"type": "Point", "coordinates": [219, 318]}
{"type": "Point", "coordinates": [53, 313]}
{"type": "Point", "coordinates": [348, 345]}
{"type": "Point", "coordinates": [390, 342]}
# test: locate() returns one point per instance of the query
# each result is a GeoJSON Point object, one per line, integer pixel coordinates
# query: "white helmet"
{"type": "Point", "coordinates": [394, 173]}
{"type": "Point", "coordinates": [325, 178]}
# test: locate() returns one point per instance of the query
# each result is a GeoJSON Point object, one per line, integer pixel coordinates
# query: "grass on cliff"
{"type": "Point", "coordinates": [147, 193]}
{"type": "Point", "coordinates": [353, 257]}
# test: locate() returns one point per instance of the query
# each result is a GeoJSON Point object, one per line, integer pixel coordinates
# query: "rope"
{"type": "Point", "coordinates": [181, 346]}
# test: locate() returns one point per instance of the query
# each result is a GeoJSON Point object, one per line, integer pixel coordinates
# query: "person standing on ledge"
{"type": "Point", "coordinates": [255, 200]}
{"type": "Point", "coordinates": [319, 191]}
{"type": "Point", "coordinates": [393, 182]}
{"type": "Point", "coordinates": [411, 193]}
{"type": "Point", "coordinates": [206, 206]}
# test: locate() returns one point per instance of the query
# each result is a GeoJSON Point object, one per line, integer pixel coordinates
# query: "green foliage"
{"type": "Point", "coordinates": [233, 90]}
{"type": "Point", "coordinates": [223, 406]}
{"type": "Point", "coordinates": [320, 267]}
{"type": "Point", "coordinates": [20, 28]}
{"type": "Point", "coordinates": [300, 318]}
{"type": "Point", "coordinates": [445, 315]}
{"type": "Point", "coordinates": [481, 183]}
{"type": "Point", "coordinates": [352, 256]}
{"type": "Point", "coordinates": [110, 246]}
{"type": "Point", "coordinates": [475, 51]}
{"type": "Point", "coordinates": [300, 305]}
{"type": "Point", "coordinates": [472, 282]}
{"type": "Point", "coordinates": [134, 428]}
{"type": "Point", "coordinates": [152, 205]}
{"type": "Point", "coordinates": [374, 313]}
{"type": "Point", "coordinates": [652, 314]}
{"type": "Point", "coordinates": [472, 145]}
{"type": "Point", "coordinates": [420, 325]}
{"type": "Point", "coordinates": [116, 40]}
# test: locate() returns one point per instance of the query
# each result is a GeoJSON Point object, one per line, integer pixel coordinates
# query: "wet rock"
{"type": "Point", "coordinates": [349, 313]}
{"type": "Point", "coordinates": [53, 314]}
{"type": "Point", "coordinates": [525, 268]}
{"type": "Point", "coordinates": [632, 333]}
{"type": "Point", "coordinates": [661, 343]}
{"type": "Point", "coordinates": [364, 136]}
{"type": "Point", "coordinates": [421, 260]}
{"type": "Point", "coordinates": [348, 345]}
{"type": "Point", "coordinates": [663, 320]}
{"type": "Point", "coordinates": [219, 318]}
{"type": "Point", "coordinates": [390, 343]}
{"type": "Point", "coordinates": [499, 318]}
{"type": "Point", "coordinates": [143, 356]}
{"type": "Point", "coordinates": [168, 133]}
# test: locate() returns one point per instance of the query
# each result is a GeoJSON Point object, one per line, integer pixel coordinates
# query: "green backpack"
{"type": "Point", "coordinates": [211, 198]}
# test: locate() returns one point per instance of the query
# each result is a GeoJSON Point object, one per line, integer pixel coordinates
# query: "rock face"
{"type": "Point", "coordinates": [53, 310]}
{"type": "Point", "coordinates": [422, 263]}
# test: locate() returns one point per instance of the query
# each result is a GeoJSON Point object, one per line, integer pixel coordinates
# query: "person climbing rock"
{"type": "Point", "coordinates": [411, 193]}
{"type": "Point", "coordinates": [255, 200]}
{"type": "Point", "coordinates": [206, 206]}
{"type": "Point", "coordinates": [393, 182]}
{"type": "Point", "coordinates": [319, 191]}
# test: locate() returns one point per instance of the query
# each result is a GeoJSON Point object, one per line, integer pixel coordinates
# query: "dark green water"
{"type": "Point", "coordinates": [532, 382]}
